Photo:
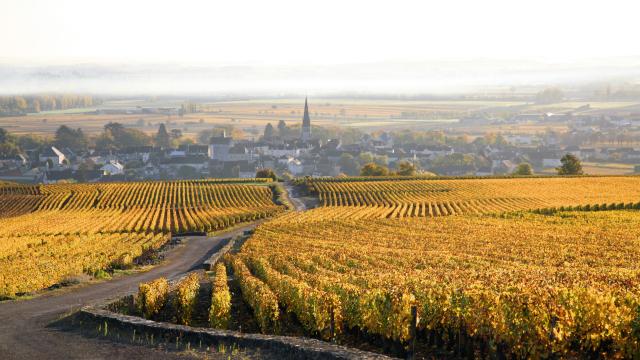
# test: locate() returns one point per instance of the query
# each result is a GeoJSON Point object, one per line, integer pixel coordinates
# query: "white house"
{"type": "Point", "coordinates": [52, 153]}
{"type": "Point", "coordinates": [280, 151]}
{"type": "Point", "coordinates": [519, 139]}
{"type": "Point", "coordinates": [431, 151]}
{"type": "Point", "coordinates": [112, 168]}
{"type": "Point", "coordinates": [295, 166]}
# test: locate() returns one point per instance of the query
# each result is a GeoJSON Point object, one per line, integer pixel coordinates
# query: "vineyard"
{"type": "Point", "coordinates": [531, 268]}
{"type": "Point", "coordinates": [430, 198]}
{"type": "Point", "coordinates": [49, 233]}
{"type": "Point", "coordinates": [524, 284]}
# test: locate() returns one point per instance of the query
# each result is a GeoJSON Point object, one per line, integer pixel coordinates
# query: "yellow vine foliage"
{"type": "Point", "coordinates": [542, 285]}
{"type": "Point", "coordinates": [52, 232]}
{"type": "Point", "coordinates": [220, 309]}
{"type": "Point", "coordinates": [258, 295]}
{"type": "Point", "coordinates": [433, 198]}
{"type": "Point", "coordinates": [152, 296]}
{"type": "Point", "coordinates": [186, 297]}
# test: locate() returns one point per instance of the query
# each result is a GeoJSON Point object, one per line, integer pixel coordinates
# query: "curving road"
{"type": "Point", "coordinates": [298, 204]}
{"type": "Point", "coordinates": [23, 324]}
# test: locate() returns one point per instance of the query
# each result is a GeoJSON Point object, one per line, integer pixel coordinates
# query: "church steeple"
{"type": "Point", "coordinates": [306, 123]}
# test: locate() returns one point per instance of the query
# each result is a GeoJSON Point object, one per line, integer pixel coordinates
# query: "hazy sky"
{"type": "Point", "coordinates": [314, 32]}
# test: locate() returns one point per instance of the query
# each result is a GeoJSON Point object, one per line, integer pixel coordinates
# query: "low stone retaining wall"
{"type": "Point", "coordinates": [281, 347]}
{"type": "Point", "coordinates": [210, 263]}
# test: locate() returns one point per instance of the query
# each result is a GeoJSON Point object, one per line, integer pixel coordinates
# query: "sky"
{"type": "Point", "coordinates": [193, 46]}
{"type": "Point", "coordinates": [314, 32]}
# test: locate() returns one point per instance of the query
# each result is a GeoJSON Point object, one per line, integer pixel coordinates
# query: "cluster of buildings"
{"type": "Point", "coordinates": [225, 156]}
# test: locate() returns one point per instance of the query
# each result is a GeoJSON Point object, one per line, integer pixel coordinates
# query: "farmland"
{"type": "Point", "coordinates": [250, 116]}
{"type": "Point", "coordinates": [523, 284]}
{"type": "Point", "coordinates": [433, 197]}
{"type": "Point", "coordinates": [523, 268]}
{"type": "Point", "coordinates": [52, 232]}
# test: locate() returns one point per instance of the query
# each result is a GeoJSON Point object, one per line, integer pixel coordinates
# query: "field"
{"type": "Point", "coordinates": [496, 279]}
{"type": "Point", "coordinates": [49, 233]}
{"type": "Point", "coordinates": [526, 268]}
{"type": "Point", "coordinates": [250, 116]}
{"type": "Point", "coordinates": [429, 198]}
{"type": "Point", "coordinates": [523, 284]}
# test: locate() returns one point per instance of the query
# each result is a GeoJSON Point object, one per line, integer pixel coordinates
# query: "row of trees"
{"type": "Point", "coordinates": [113, 137]}
{"type": "Point", "coordinates": [570, 165]}
{"type": "Point", "coordinates": [404, 168]}
{"type": "Point", "coordinates": [37, 103]}
{"type": "Point", "coordinates": [12, 145]}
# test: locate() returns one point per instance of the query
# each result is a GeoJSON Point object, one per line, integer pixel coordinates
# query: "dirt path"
{"type": "Point", "coordinates": [295, 201]}
{"type": "Point", "coordinates": [23, 324]}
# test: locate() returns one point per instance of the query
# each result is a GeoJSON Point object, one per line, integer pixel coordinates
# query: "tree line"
{"type": "Point", "coordinates": [37, 103]}
{"type": "Point", "coordinates": [115, 136]}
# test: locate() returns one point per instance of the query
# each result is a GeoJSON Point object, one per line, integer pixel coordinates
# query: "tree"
{"type": "Point", "coordinates": [282, 128]}
{"type": "Point", "coordinates": [176, 134]}
{"type": "Point", "coordinates": [570, 165]}
{"type": "Point", "coordinates": [70, 138]}
{"type": "Point", "coordinates": [348, 164]}
{"type": "Point", "coordinates": [365, 158]}
{"type": "Point", "coordinates": [268, 131]}
{"type": "Point", "coordinates": [114, 128]}
{"type": "Point", "coordinates": [405, 168]}
{"type": "Point", "coordinates": [373, 169]}
{"type": "Point", "coordinates": [267, 173]}
{"type": "Point", "coordinates": [162, 137]}
{"type": "Point", "coordinates": [116, 136]}
{"type": "Point", "coordinates": [4, 135]}
{"type": "Point", "coordinates": [523, 169]}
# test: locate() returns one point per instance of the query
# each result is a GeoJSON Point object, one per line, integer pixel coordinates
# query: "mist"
{"type": "Point", "coordinates": [425, 77]}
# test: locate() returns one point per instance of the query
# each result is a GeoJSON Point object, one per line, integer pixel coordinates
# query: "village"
{"type": "Point", "coordinates": [296, 152]}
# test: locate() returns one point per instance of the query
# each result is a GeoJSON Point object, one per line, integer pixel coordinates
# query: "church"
{"type": "Point", "coordinates": [306, 123]}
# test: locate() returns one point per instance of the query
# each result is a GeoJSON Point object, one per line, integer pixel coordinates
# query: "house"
{"type": "Point", "coordinates": [13, 161]}
{"type": "Point", "coordinates": [199, 162]}
{"type": "Point", "coordinates": [247, 171]}
{"type": "Point", "coordinates": [194, 149]}
{"type": "Point", "coordinates": [503, 167]}
{"type": "Point", "coordinates": [294, 166]}
{"type": "Point", "coordinates": [112, 168]}
{"type": "Point", "coordinates": [52, 155]}
{"type": "Point", "coordinates": [135, 153]}
{"type": "Point", "coordinates": [219, 147]}
{"type": "Point", "coordinates": [239, 153]}
{"type": "Point", "coordinates": [432, 151]}
{"type": "Point", "coordinates": [519, 139]}
{"type": "Point", "coordinates": [281, 150]}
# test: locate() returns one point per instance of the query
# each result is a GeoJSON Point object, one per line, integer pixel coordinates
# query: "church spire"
{"type": "Point", "coordinates": [306, 122]}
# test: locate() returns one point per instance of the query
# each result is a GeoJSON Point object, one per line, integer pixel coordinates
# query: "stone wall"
{"type": "Point", "coordinates": [281, 347]}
